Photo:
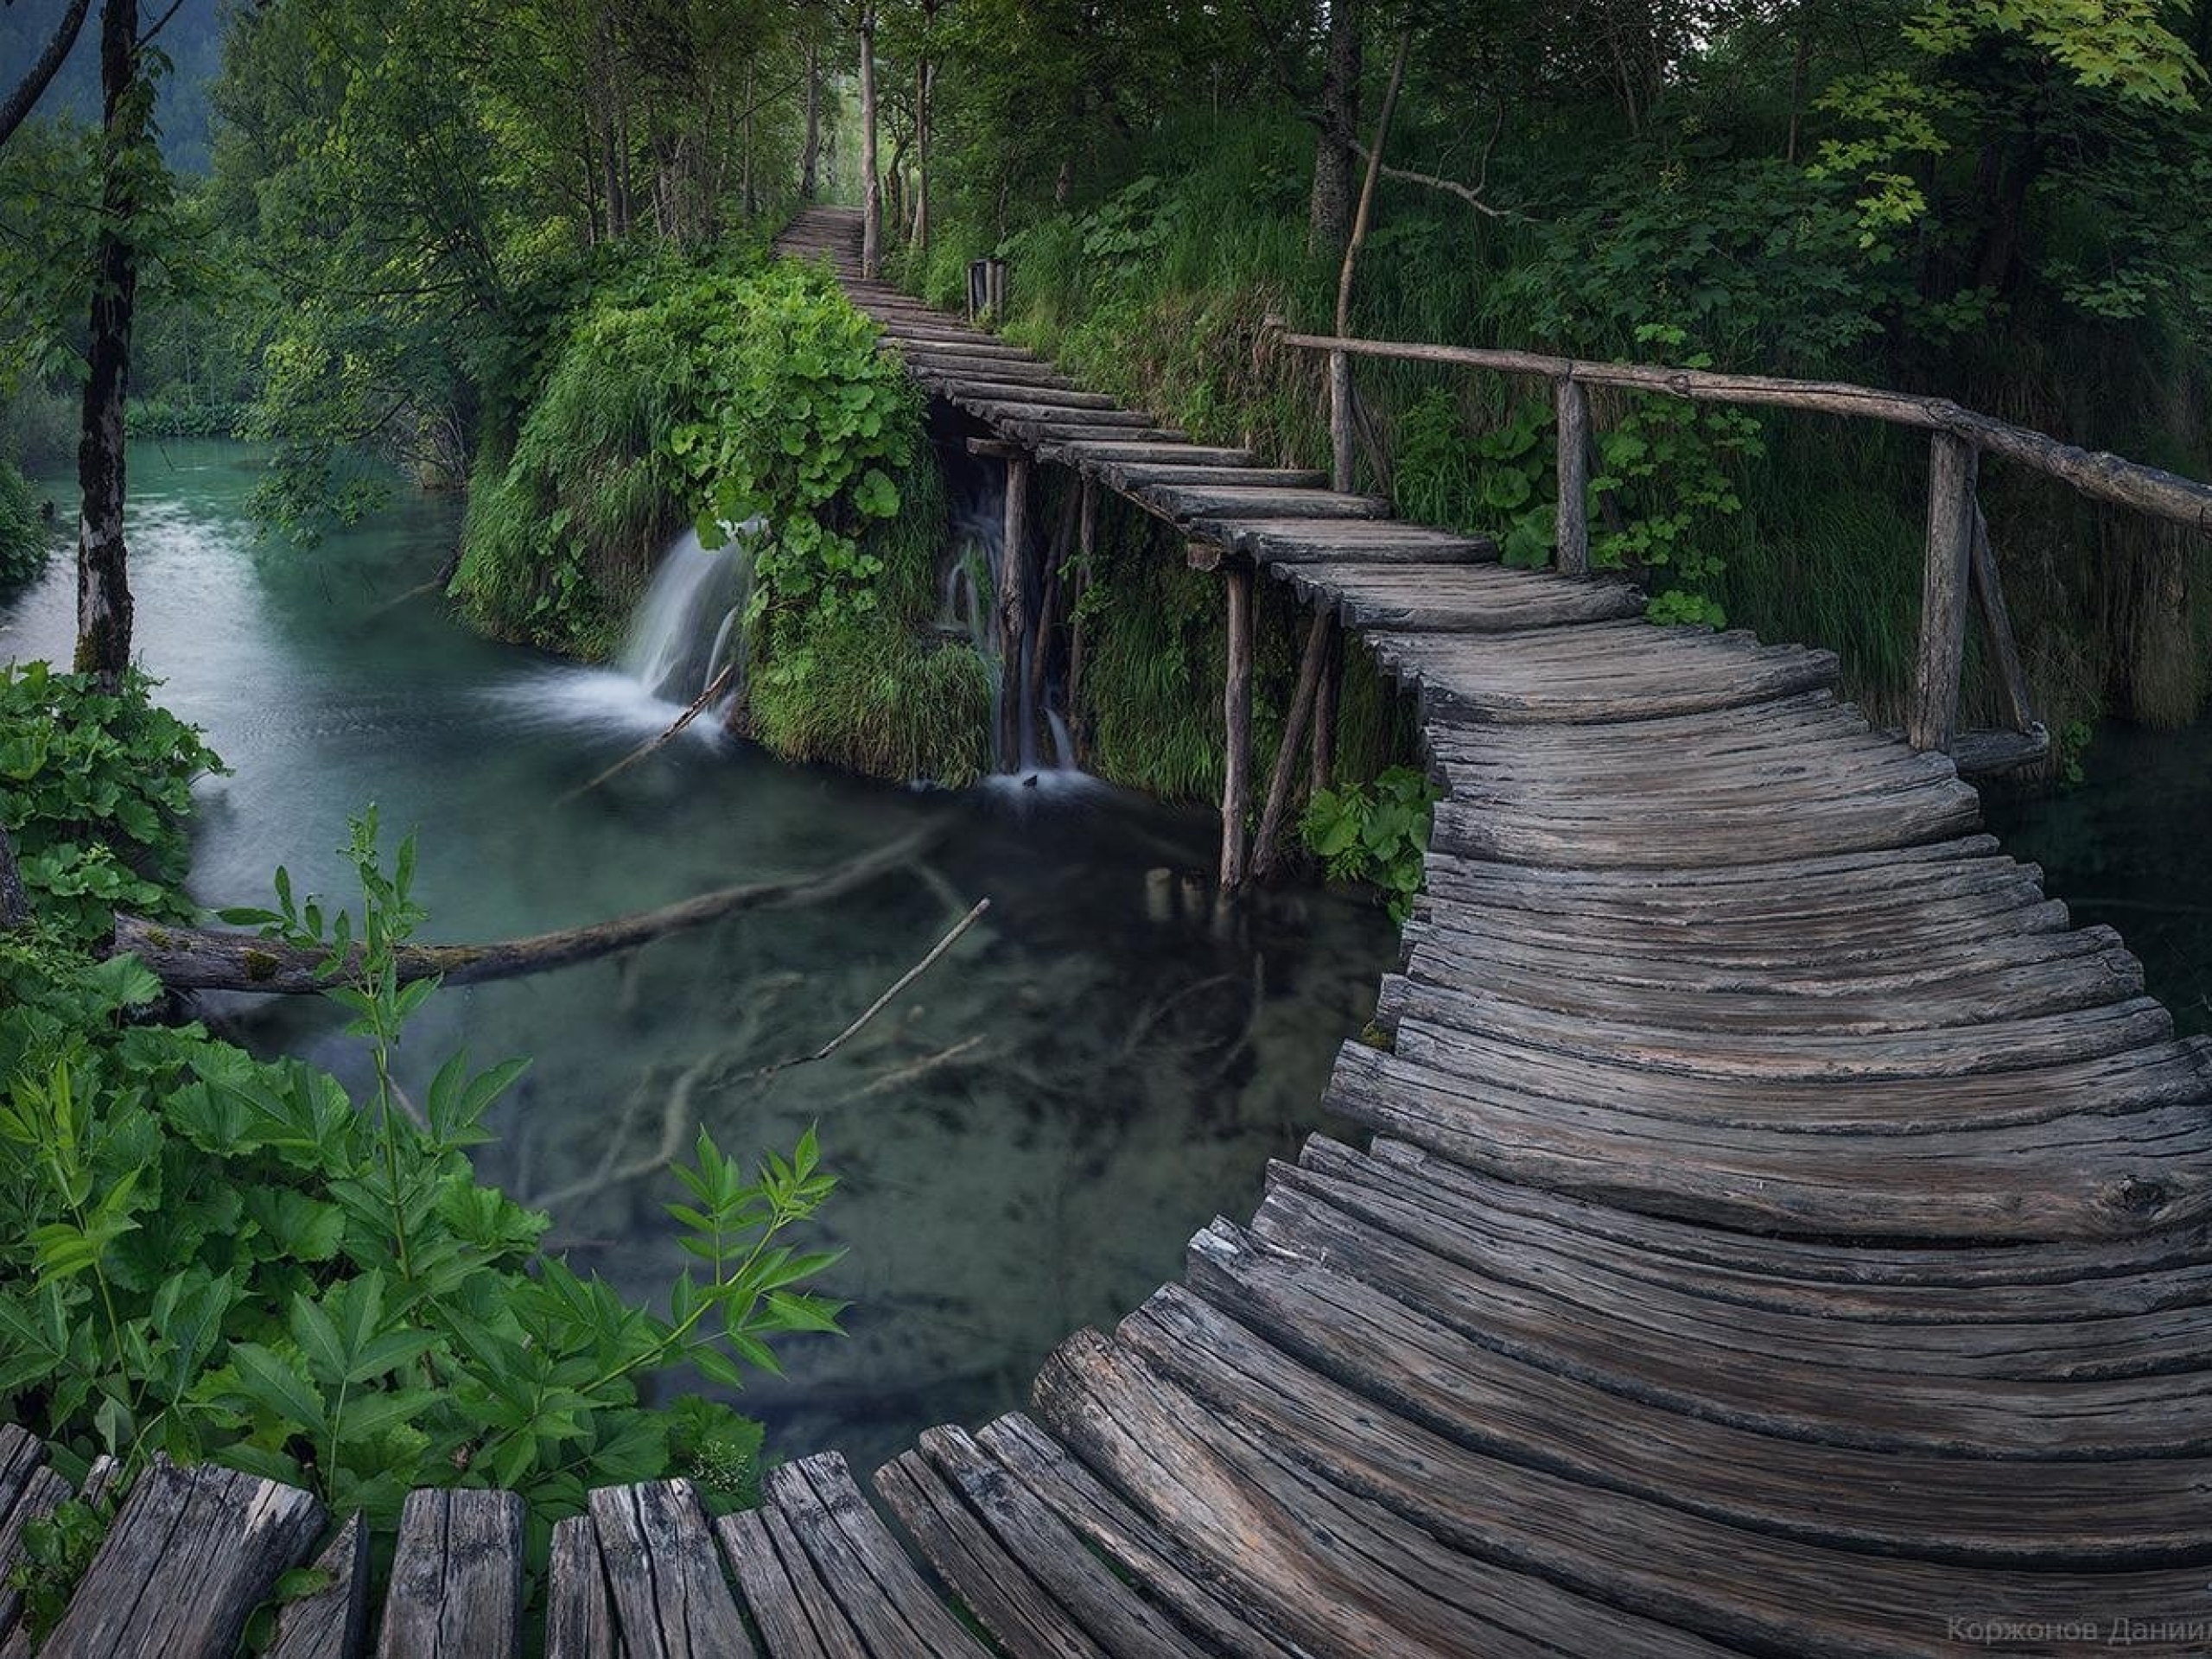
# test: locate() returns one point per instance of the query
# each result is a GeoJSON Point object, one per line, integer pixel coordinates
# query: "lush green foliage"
{"type": "Point", "coordinates": [725, 392]}
{"type": "Point", "coordinates": [209, 1255]}
{"type": "Point", "coordinates": [1377, 833]}
{"type": "Point", "coordinates": [94, 788]}
{"type": "Point", "coordinates": [24, 539]}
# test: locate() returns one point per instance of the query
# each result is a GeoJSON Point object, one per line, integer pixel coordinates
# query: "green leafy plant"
{"type": "Point", "coordinates": [1376, 833]}
{"type": "Point", "coordinates": [208, 1255]}
{"type": "Point", "coordinates": [94, 787]}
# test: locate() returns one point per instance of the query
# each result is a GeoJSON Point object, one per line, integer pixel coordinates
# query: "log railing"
{"type": "Point", "coordinates": [1961, 569]}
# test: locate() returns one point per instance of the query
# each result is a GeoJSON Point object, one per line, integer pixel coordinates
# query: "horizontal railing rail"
{"type": "Point", "coordinates": [1960, 564]}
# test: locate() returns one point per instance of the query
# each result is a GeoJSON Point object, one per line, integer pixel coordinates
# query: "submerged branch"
{"type": "Point", "coordinates": [937, 952]}
{"type": "Point", "coordinates": [698, 706]}
{"type": "Point", "coordinates": [215, 959]}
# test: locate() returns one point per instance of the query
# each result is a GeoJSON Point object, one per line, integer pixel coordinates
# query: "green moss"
{"type": "Point", "coordinates": [260, 966]}
{"type": "Point", "coordinates": [877, 698]}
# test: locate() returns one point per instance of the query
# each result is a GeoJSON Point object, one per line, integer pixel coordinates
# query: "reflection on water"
{"type": "Point", "coordinates": [1026, 1139]}
{"type": "Point", "coordinates": [2127, 849]}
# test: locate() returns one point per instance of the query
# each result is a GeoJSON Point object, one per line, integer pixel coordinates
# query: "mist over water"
{"type": "Point", "coordinates": [1026, 1139]}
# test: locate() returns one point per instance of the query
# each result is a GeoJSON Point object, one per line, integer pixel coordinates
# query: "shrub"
{"type": "Point", "coordinates": [24, 541]}
{"type": "Point", "coordinates": [211, 1257]}
{"type": "Point", "coordinates": [94, 787]}
{"type": "Point", "coordinates": [1376, 833]}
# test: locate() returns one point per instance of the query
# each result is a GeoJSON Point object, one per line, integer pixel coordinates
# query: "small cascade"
{"type": "Point", "coordinates": [1037, 744]}
{"type": "Point", "coordinates": [689, 615]}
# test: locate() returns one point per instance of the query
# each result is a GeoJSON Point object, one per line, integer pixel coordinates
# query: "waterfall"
{"type": "Point", "coordinates": [968, 582]}
{"type": "Point", "coordinates": [689, 616]}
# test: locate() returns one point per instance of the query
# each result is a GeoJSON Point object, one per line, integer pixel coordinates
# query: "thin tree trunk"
{"type": "Point", "coordinates": [925, 84]}
{"type": "Point", "coordinates": [871, 185]}
{"type": "Point", "coordinates": [1335, 155]}
{"type": "Point", "coordinates": [809, 155]}
{"type": "Point", "coordinates": [103, 578]}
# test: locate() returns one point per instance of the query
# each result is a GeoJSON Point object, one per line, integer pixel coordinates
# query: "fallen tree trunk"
{"type": "Point", "coordinates": [220, 959]}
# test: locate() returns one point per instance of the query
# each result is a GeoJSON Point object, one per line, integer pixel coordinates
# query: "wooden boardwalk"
{"type": "Point", "coordinates": [1781, 1232]}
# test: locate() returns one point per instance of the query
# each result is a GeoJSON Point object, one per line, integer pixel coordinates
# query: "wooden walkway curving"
{"type": "Point", "coordinates": [1781, 1233]}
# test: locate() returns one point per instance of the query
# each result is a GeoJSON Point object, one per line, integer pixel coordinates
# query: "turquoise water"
{"type": "Point", "coordinates": [1026, 1139]}
{"type": "Point", "coordinates": [2128, 848]}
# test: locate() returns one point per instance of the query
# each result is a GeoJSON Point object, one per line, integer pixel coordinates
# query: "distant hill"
{"type": "Point", "coordinates": [192, 39]}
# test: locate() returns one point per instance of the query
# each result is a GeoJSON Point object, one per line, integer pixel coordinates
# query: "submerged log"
{"type": "Point", "coordinates": [221, 959]}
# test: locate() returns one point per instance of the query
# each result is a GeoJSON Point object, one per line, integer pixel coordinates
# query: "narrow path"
{"type": "Point", "coordinates": [1780, 1232]}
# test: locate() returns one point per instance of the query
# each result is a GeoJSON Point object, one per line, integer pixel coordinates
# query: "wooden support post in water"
{"type": "Point", "coordinates": [1573, 400]}
{"type": "Point", "coordinates": [1086, 542]}
{"type": "Point", "coordinates": [1323, 772]}
{"type": "Point", "coordinates": [1997, 628]}
{"type": "Point", "coordinates": [1237, 720]}
{"type": "Point", "coordinates": [1294, 739]}
{"type": "Point", "coordinates": [1953, 464]}
{"type": "Point", "coordinates": [1012, 611]}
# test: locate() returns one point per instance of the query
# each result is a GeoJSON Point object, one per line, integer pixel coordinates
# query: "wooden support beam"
{"type": "Point", "coordinates": [1201, 555]}
{"type": "Point", "coordinates": [1086, 543]}
{"type": "Point", "coordinates": [1322, 773]}
{"type": "Point", "coordinates": [1988, 582]}
{"type": "Point", "coordinates": [1014, 602]}
{"type": "Point", "coordinates": [1237, 722]}
{"type": "Point", "coordinates": [1294, 738]}
{"type": "Point", "coordinates": [1953, 465]}
{"type": "Point", "coordinates": [1573, 402]}
{"type": "Point", "coordinates": [994, 448]}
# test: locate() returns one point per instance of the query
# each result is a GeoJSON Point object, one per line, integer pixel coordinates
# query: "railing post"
{"type": "Point", "coordinates": [1340, 421]}
{"type": "Point", "coordinates": [1236, 723]}
{"type": "Point", "coordinates": [1572, 399]}
{"type": "Point", "coordinates": [1952, 466]}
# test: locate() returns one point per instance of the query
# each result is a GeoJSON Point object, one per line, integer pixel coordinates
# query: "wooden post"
{"type": "Point", "coordinates": [1086, 542]}
{"type": "Point", "coordinates": [1573, 400]}
{"type": "Point", "coordinates": [1953, 464]}
{"type": "Point", "coordinates": [1294, 737]}
{"type": "Point", "coordinates": [1012, 611]}
{"type": "Point", "coordinates": [1323, 772]}
{"type": "Point", "coordinates": [1340, 477]}
{"type": "Point", "coordinates": [1236, 721]}
{"type": "Point", "coordinates": [1996, 627]}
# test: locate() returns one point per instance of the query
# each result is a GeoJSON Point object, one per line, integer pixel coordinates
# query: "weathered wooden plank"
{"type": "Point", "coordinates": [2054, 1516]}
{"type": "Point", "coordinates": [796, 1615]}
{"type": "Point", "coordinates": [1481, 598]}
{"type": "Point", "coordinates": [333, 1622]}
{"type": "Point", "coordinates": [29, 1488]}
{"type": "Point", "coordinates": [1362, 541]}
{"type": "Point", "coordinates": [1027, 1530]}
{"type": "Point", "coordinates": [670, 1600]}
{"type": "Point", "coordinates": [1967, 1273]}
{"type": "Point", "coordinates": [1997, 1048]}
{"type": "Point", "coordinates": [1175, 1577]}
{"type": "Point", "coordinates": [190, 1556]}
{"type": "Point", "coordinates": [1012, 1606]}
{"type": "Point", "coordinates": [2070, 1179]}
{"type": "Point", "coordinates": [456, 1578]}
{"type": "Point", "coordinates": [1617, 1549]}
{"type": "Point", "coordinates": [1304, 1546]}
{"type": "Point", "coordinates": [580, 1610]}
{"type": "Point", "coordinates": [1222, 501]}
{"type": "Point", "coordinates": [877, 1589]}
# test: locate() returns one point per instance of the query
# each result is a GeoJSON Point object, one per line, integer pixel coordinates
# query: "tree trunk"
{"type": "Point", "coordinates": [103, 581]}
{"type": "Point", "coordinates": [925, 84]}
{"type": "Point", "coordinates": [809, 155]}
{"type": "Point", "coordinates": [1336, 155]}
{"type": "Point", "coordinates": [871, 185]}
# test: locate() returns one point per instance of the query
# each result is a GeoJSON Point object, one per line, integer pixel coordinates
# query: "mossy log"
{"type": "Point", "coordinates": [219, 959]}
